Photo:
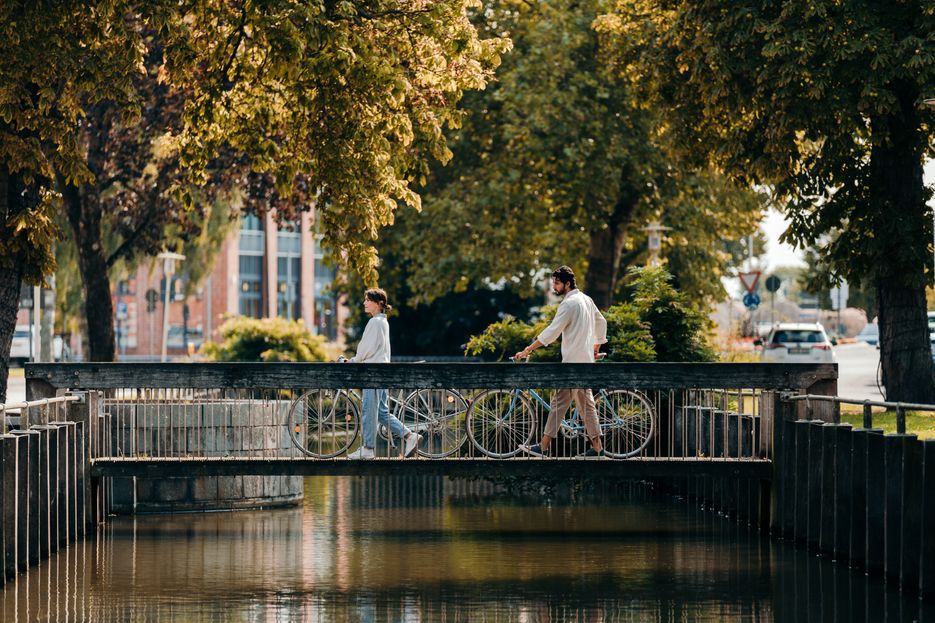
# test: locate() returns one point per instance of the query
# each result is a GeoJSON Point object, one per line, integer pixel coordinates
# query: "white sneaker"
{"type": "Point", "coordinates": [361, 453]}
{"type": "Point", "coordinates": [410, 444]}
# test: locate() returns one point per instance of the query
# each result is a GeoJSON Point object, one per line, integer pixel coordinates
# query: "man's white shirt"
{"type": "Point", "coordinates": [374, 346]}
{"type": "Point", "coordinates": [581, 325]}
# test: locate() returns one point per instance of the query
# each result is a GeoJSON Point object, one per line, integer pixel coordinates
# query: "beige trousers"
{"type": "Point", "coordinates": [561, 400]}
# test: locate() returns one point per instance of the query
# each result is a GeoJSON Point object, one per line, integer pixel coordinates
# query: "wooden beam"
{"type": "Point", "coordinates": [573, 468]}
{"type": "Point", "coordinates": [647, 376]}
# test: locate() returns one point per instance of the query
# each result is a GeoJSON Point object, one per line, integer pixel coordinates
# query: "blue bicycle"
{"type": "Point", "coordinates": [499, 421]}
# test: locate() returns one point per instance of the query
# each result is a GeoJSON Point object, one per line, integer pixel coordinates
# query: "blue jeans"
{"type": "Point", "coordinates": [375, 407]}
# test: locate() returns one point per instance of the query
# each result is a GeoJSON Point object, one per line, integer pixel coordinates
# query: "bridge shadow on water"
{"type": "Point", "coordinates": [433, 549]}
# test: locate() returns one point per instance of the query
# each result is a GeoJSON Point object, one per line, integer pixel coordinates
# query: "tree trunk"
{"type": "Point", "coordinates": [84, 215]}
{"type": "Point", "coordinates": [11, 274]}
{"type": "Point", "coordinates": [606, 244]}
{"type": "Point", "coordinates": [896, 187]}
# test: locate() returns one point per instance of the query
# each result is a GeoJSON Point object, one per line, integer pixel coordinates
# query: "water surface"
{"type": "Point", "coordinates": [427, 549]}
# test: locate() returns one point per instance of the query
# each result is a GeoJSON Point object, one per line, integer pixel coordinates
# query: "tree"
{"type": "Point", "coordinates": [558, 163]}
{"type": "Point", "coordinates": [55, 58]}
{"type": "Point", "coordinates": [821, 100]}
{"type": "Point", "coordinates": [341, 101]}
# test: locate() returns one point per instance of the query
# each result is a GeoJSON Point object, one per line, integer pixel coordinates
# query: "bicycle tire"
{"type": "Point", "coordinates": [495, 426]}
{"type": "Point", "coordinates": [627, 421]}
{"type": "Point", "coordinates": [323, 423]}
{"type": "Point", "coordinates": [438, 415]}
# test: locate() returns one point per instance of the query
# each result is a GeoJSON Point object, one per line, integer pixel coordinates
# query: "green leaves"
{"type": "Point", "coordinates": [268, 339]}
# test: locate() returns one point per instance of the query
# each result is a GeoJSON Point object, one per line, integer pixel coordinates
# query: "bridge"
{"type": "Point", "coordinates": [759, 443]}
{"type": "Point", "coordinates": [170, 420]}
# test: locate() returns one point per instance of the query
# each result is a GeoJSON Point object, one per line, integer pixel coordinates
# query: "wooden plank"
{"type": "Point", "coordinates": [414, 375]}
{"type": "Point", "coordinates": [843, 491]}
{"type": "Point", "coordinates": [815, 478]}
{"type": "Point", "coordinates": [826, 486]}
{"type": "Point", "coordinates": [893, 451]}
{"type": "Point", "coordinates": [912, 526]}
{"type": "Point", "coordinates": [876, 498]}
{"type": "Point", "coordinates": [572, 468]}
{"type": "Point", "coordinates": [927, 557]}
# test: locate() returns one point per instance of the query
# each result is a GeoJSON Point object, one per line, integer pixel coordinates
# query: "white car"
{"type": "Point", "coordinates": [797, 343]}
{"type": "Point", "coordinates": [19, 351]}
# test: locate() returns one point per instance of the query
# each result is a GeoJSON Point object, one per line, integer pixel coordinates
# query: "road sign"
{"type": "Point", "coordinates": [751, 300]}
{"type": "Point", "coordinates": [749, 281]}
{"type": "Point", "coordinates": [121, 310]}
{"type": "Point", "coordinates": [773, 283]}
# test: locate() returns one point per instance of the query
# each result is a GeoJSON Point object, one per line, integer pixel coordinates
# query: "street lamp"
{"type": "Point", "coordinates": [168, 269]}
{"type": "Point", "coordinates": [654, 230]}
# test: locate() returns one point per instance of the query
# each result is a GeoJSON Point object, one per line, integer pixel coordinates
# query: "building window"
{"type": "Point", "coordinates": [326, 306]}
{"type": "Point", "coordinates": [252, 248]}
{"type": "Point", "coordinates": [251, 285]}
{"type": "Point", "coordinates": [289, 271]}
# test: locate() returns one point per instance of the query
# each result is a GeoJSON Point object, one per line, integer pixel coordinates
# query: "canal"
{"type": "Point", "coordinates": [429, 549]}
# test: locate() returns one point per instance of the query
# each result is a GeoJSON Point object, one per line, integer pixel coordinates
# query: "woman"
{"type": "Point", "coordinates": [374, 347]}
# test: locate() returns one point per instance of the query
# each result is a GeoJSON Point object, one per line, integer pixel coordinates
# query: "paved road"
{"type": "Point", "coordinates": [857, 371]}
{"type": "Point", "coordinates": [16, 389]}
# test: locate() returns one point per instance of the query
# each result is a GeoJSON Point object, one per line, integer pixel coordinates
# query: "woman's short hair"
{"type": "Point", "coordinates": [566, 275]}
{"type": "Point", "coordinates": [378, 296]}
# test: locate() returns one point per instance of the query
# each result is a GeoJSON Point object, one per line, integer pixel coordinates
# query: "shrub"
{"type": "Point", "coordinates": [659, 325]}
{"type": "Point", "coordinates": [628, 337]}
{"type": "Point", "coordinates": [678, 328]}
{"type": "Point", "coordinates": [266, 339]}
{"type": "Point", "coordinates": [503, 339]}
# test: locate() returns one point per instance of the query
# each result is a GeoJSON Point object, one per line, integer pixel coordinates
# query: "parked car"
{"type": "Point", "coordinates": [870, 334]}
{"type": "Point", "coordinates": [19, 351]}
{"type": "Point", "coordinates": [797, 342]}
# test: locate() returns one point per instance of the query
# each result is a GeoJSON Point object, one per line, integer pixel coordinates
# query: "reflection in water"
{"type": "Point", "coordinates": [426, 549]}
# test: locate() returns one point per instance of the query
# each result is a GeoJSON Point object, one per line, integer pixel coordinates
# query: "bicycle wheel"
{"type": "Point", "coordinates": [627, 422]}
{"type": "Point", "coordinates": [438, 415]}
{"type": "Point", "coordinates": [498, 422]}
{"type": "Point", "coordinates": [323, 422]}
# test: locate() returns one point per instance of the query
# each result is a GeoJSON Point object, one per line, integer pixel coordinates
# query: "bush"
{"type": "Point", "coordinates": [505, 338]}
{"type": "Point", "coordinates": [266, 339]}
{"type": "Point", "coordinates": [678, 328]}
{"type": "Point", "coordinates": [659, 325]}
{"type": "Point", "coordinates": [628, 338]}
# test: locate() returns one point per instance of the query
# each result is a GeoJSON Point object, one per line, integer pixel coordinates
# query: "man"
{"type": "Point", "coordinates": [583, 330]}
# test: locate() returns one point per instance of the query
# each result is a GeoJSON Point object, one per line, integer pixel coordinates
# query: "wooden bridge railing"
{"type": "Point", "coordinates": [698, 411]}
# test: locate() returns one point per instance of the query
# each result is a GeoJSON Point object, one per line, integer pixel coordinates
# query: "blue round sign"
{"type": "Point", "coordinates": [751, 300]}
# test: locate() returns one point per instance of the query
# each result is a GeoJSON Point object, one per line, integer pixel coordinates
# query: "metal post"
{"type": "Point", "coordinates": [169, 260]}
{"type": "Point", "coordinates": [35, 352]}
{"type": "Point", "coordinates": [165, 314]}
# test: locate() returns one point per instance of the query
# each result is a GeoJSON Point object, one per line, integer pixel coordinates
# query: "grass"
{"type": "Point", "coordinates": [921, 423]}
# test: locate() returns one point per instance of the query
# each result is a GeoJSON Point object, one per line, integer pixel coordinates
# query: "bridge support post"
{"type": "Point", "coordinates": [894, 450]}
{"type": "Point", "coordinates": [843, 491]}
{"type": "Point", "coordinates": [927, 548]}
{"type": "Point", "coordinates": [912, 520]}
{"type": "Point", "coordinates": [876, 502]}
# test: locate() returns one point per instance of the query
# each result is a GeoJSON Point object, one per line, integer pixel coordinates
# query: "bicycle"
{"type": "Point", "coordinates": [324, 423]}
{"type": "Point", "coordinates": [500, 421]}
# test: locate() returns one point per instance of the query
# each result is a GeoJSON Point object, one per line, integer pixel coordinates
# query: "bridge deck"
{"type": "Point", "coordinates": [480, 467]}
